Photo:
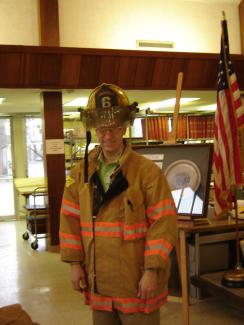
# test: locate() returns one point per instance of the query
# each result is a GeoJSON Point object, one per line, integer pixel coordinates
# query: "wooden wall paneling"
{"type": "Point", "coordinates": [32, 71]}
{"type": "Point", "coordinates": [122, 71]}
{"type": "Point", "coordinates": [109, 67]}
{"type": "Point", "coordinates": [210, 74]}
{"type": "Point", "coordinates": [11, 69]}
{"type": "Point", "coordinates": [239, 70]}
{"type": "Point", "coordinates": [49, 22]}
{"type": "Point", "coordinates": [55, 163]}
{"type": "Point", "coordinates": [178, 65]}
{"type": "Point", "coordinates": [144, 72]}
{"type": "Point", "coordinates": [241, 15]}
{"type": "Point", "coordinates": [201, 73]}
{"type": "Point", "coordinates": [89, 71]}
{"type": "Point", "coordinates": [161, 73]}
{"type": "Point", "coordinates": [50, 70]}
{"type": "Point", "coordinates": [70, 71]}
{"type": "Point", "coordinates": [42, 70]}
{"type": "Point", "coordinates": [131, 72]}
{"type": "Point", "coordinates": [39, 67]}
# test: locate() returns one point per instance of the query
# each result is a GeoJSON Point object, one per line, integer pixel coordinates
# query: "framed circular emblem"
{"type": "Point", "coordinates": [183, 173]}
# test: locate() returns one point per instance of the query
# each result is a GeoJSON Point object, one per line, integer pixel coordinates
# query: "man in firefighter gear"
{"type": "Point", "coordinates": [118, 220]}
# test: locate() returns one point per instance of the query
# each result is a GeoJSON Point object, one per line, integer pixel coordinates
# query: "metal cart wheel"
{"type": "Point", "coordinates": [34, 245]}
{"type": "Point", "coordinates": [25, 236]}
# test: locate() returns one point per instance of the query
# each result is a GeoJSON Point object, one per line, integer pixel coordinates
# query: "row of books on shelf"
{"type": "Point", "coordinates": [194, 127]}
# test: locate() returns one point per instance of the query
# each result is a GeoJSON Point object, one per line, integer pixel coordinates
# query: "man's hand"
{"type": "Point", "coordinates": [148, 285]}
{"type": "Point", "coordinates": [78, 277]}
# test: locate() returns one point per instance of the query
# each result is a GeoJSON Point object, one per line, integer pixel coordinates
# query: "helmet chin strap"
{"type": "Point", "coordinates": [88, 141]}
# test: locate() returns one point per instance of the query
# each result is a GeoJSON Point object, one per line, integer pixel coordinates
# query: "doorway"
{"type": "Point", "coordinates": [6, 170]}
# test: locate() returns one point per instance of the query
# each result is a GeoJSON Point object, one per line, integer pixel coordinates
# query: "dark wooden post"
{"type": "Point", "coordinates": [52, 114]}
{"type": "Point", "coordinates": [49, 22]}
{"type": "Point", "coordinates": [54, 158]}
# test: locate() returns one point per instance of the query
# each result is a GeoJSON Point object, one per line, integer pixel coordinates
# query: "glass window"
{"type": "Point", "coordinates": [6, 172]}
{"type": "Point", "coordinates": [35, 167]}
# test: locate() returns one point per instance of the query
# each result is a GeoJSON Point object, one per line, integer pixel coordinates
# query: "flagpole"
{"type": "Point", "coordinates": [233, 278]}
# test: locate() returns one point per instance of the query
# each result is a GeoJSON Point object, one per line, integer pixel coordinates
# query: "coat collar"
{"type": "Point", "coordinates": [94, 154]}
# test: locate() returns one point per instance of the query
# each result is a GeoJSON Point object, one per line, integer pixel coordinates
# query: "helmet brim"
{"type": "Point", "coordinates": [108, 117]}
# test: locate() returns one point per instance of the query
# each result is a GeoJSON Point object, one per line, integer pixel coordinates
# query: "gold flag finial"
{"type": "Point", "coordinates": [223, 13]}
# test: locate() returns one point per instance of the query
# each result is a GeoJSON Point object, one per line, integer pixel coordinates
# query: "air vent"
{"type": "Point", "coordinates": [155, 44]}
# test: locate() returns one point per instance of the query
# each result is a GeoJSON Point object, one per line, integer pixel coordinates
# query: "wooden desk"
{"type": "Point", "coordinates": [185, 228]}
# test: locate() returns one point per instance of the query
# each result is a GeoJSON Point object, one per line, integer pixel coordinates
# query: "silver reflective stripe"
{"type": "Point", "coordinates": [71, 209]}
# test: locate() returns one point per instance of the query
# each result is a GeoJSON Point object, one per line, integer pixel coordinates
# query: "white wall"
{"type": "Point", "coordinates": [193, 25]}
{"type": "Point", "coordinates": [19, 23]}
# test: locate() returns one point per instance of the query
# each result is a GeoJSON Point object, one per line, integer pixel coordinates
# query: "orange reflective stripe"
{"type": "Point", "coordinates": [108, 224]}
{"type": "Point", "coordinates": [99, 302]}
{"type": "Point", "coordinates": [86, 233]}
{"type": "Point", "coordinates": [137, 230]}
{"type": "Point", "coordinates": [67, 212]}
{"type": "Point", "coordinates": [134, 236]}
{"type": "Point", "coordinates": [168, 212]}
{"type": "Point", "coordinates": [159, 205]}
{"type": "Point", "coordinates": [71, 204]}
{"type": "Point", "coordinates": [125, 305]}
{"type": "Point", "coordinates": [109, 233]}
{"type": "Point", "coordinates": [86, 229]}
{"type": "Point", "coordinates": [156, 252]}
{"type": "Point", "coordinates": [72, 246]}
{"type": "Point", "coordinates": [66, 235]}
{"type": "Point", "coordinates": [70, 208]}
{"type": "Point", "coordinates": [102, 229]}
{"type": "Point", "coordinates": [114, 229]}
{"type": "Point", "coordinates": [133, 305]}
{"type": "Point", "coordinates": [159, 241]}
{"type": "Point", "coordinates": [158, 247]}
{"type": "Point", "coordinates": [70, 241]}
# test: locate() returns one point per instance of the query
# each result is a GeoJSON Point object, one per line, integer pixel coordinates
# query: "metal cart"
{"type": "Point", "coordinates": [36, 217]}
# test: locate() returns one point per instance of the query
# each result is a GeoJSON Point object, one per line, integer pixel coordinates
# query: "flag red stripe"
{"type": "Point", "coordinates": [228, 118]}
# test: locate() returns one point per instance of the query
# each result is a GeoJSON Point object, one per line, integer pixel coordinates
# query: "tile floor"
{"type": "Point", "coordinates": [40, 283]}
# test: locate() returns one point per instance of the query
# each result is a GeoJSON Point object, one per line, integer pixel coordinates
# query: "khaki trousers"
{"type": "Point", "coordinates": [117, 318]}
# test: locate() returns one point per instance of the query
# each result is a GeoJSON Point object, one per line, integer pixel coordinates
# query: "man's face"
{"type": "Point", "coordinates": [111, 139]}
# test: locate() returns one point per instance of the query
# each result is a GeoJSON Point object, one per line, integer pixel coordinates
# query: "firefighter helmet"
{"type": "Point", "coordinates": [108, 106]}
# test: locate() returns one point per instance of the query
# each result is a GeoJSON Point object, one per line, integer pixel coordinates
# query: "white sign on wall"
{"type": "Point", "coordinates": [54, 146]}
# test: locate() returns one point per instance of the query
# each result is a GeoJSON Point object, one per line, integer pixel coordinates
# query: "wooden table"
{"type": "Point", "coordinates": [215, 229]}
{"type": "Point", "coordinates": [212, 283]}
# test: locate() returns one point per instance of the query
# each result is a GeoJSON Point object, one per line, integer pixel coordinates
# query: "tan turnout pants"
{"type": "Point", "coordinates": [117, 318]}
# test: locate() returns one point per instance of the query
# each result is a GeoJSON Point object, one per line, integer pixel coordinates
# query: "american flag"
{"type": "Point", "coordinates": [229, 119]}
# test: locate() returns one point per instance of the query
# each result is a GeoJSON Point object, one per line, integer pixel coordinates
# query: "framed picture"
{"type": "Point", "coordinates": [187, 168]}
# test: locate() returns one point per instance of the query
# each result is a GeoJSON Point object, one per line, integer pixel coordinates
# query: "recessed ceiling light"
{"type": "Point", "coordinates": [77, 102]}
{"type": "Point", "coordinates": [209, 108]}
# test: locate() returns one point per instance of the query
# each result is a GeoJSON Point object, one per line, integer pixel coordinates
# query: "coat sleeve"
{"type": "Point", "coordinates": [71, 247]}
{"type": "Point", "coordinates": [162, 232]}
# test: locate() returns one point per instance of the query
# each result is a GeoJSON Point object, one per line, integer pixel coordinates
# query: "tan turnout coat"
{"type": "Point", "coordinates": [135, 228]}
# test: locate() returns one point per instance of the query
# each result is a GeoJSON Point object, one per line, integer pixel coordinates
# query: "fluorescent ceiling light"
{"type": "Point", "coordinates": [2, 99]}
{"type": "Point", "coordinates": [77, 102]}
{"type": "Point", "coordinates": [72, 115]}
{"type": "Point", "coordinates": [166, 103]}
{"type": "Point", "coordinates": [209, 108]}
